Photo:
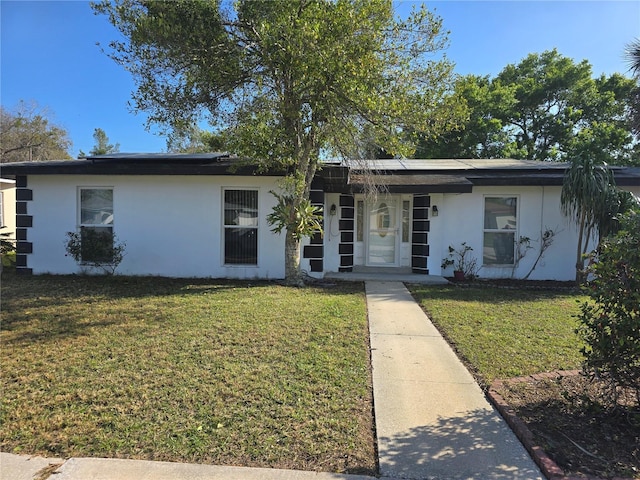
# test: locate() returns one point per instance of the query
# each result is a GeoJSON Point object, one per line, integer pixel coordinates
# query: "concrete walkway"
{"type": "Point", "coordinates": [433, 421]}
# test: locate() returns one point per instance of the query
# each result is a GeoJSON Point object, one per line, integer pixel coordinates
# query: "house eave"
{"type": "Point", "coordinates": [111, 166]}
{"type": "Point", "coordinates": [412, 183]}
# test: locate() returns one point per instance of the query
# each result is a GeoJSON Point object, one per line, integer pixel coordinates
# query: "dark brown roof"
{"type": "Point", "coordinates": [399, 175]}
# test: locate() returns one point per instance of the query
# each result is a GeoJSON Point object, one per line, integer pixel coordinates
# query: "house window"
{"type": "Point", "coordinates": [500, 227]}
{"type": "Point", "coordinates": [241, 227]}
{"type": "Point", "coordinates": [96, 224]}
{"type": "Point", "coordinates": [406, 205]}
{"type": "Point", "coordinates": [360, 221]}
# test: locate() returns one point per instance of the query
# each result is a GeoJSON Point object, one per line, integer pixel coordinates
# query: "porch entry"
{"type": "Point", "coordinates": [382, 231]}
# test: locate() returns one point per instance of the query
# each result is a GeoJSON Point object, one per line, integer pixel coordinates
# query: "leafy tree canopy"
{"type": "Point", "coordinates": [27, 134]}
{"type": "Point", "coordinates": [632, 53]}
{"type": "Point", "coordinates": [196, 140]}
{"type": "Point", "coordinates": [289, 79]}
{"type": "Point", "coordinates": [547, 107]}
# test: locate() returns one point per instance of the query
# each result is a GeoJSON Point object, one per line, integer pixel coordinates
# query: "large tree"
{"type": "Point", "coordinates": [288, 79]}
{"type": "Point", "coordinates": [482, 135]}
{"type": "Point", "coordinates": [27, 134]}
{"type": "Point", "coordinates": [590, 198]}
{"type": "Point", "coordinates": [547, 107]}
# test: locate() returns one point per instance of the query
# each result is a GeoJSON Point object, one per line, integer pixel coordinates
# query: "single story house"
{"type": "Point", "coordinates": [205, 215]}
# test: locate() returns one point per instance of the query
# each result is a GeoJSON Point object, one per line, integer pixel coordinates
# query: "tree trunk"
{"type": "Point", "coordinates": [579, 260]}
{"type": "Point", "coordinates": [292, 272]}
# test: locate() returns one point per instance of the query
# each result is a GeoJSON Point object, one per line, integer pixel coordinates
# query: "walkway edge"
{"type": "Point", "coordinates": [23, 467]}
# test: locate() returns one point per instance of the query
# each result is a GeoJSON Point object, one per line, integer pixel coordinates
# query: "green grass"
{"type": "Point", "coordinates": [503, 333]}
{"type": "Point", "coordinates": [235, 373]}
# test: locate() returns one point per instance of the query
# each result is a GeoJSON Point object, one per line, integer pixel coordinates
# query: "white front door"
{"type": "Point", "coordinates": [383, 227]}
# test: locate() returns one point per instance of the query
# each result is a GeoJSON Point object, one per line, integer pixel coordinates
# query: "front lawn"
{"type": "Point", "coordinates": [504, 333]}
{"type": "Point", "coordinates": [220, 372]}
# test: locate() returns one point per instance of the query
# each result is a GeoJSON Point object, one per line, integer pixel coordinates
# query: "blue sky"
{"type": "Point", "coordinates": [49, 54]}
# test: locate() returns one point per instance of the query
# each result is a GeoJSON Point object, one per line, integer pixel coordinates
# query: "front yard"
{"type": "Point", "coordinates": [230, 373]}
{"type": "Point", "coordinates": [258, 374]}
{"type": "Point", "coordinates": [504, 332]}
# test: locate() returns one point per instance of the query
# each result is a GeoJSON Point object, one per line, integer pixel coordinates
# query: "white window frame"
{"type": "Point", "coordinates": [503, 231]}
{"type": "Point", "coordinates": [226, 227]}
{"type": "Point", "coordinates": [81, 224]}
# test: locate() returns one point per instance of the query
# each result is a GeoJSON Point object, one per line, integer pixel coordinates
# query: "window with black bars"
{"type": "Point", "coordinates": [240, 227]}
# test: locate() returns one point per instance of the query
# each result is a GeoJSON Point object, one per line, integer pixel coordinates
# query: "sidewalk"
{"type": "Point", "coordinates": [433, 421]}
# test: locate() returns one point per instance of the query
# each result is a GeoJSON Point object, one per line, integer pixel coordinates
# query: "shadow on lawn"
{"type": "Point", "coordinates": [56, 306]}
{"type": "Point", "coordinates": [476, 444]}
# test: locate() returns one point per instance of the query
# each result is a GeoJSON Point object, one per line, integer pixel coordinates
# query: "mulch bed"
{"type": "Point", "coordinates": [562, 420]}
{"type": "Point", "coordinates": [513, 283]}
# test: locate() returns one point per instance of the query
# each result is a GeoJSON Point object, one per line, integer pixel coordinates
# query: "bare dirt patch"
{"type": "Point", "coordinates": [568, 419]}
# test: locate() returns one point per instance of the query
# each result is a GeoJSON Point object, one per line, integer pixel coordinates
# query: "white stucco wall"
{"type": "Point", "coordinates": [172, 226]}
{"type": "Point", "coordinates": [461, 220]}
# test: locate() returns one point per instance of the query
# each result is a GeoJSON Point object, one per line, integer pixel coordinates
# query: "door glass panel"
{"type": "Point", "coordinates": [383, 232]}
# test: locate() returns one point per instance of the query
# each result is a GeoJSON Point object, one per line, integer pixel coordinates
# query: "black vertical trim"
{"type": "Point", "coordinates": [23, 223]}
{"type": "Point", "coordinates": [420, 234]}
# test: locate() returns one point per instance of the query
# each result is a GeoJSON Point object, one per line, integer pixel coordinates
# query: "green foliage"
{"type": "Point", "coordinates": [284, 80]}
{"type": "Point", "coordinates": [7, 244]}
{"type": "Point", "coordinates": [610, 323]}
{"type": "Point", "coordinates": [462, 260]}
{"type": "Point", "coordinates": [196, 140]}
{"type": "Point", "coordinates": [632, 53]}
{"type": "Point", "coordinates": [9, 259]}
{"type": "Point", "coordinates": [102, 145]}
{"type": "Point", "coordinates": [588, 191]}
{"type": "Point", "coordinates": [482, 135]}
{"type": "Point", "coordinates": [547, 107]}
{"type": "Point", "coordinates": [7, 249]}
{"type": "Point", "coordinates": [99, 249]}
{"type": "Point", "coordinates": [299, 219]}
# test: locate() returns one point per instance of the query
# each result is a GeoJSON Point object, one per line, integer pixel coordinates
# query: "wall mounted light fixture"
{"type": "Point", "coordinates": [434, 211]}
{"type": "Point", "coordinates": [332, 210]}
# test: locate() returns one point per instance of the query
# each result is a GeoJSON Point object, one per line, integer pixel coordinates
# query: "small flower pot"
{"type": "Point", "coordinates": [458, 275]}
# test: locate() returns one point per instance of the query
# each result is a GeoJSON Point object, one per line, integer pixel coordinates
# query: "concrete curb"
{"type": "Point", "coordinates": [27, 467]}
{"type": "Point", "coordinates": [549, 468]}
{"type": "Point", "coordinates": [23, 467]}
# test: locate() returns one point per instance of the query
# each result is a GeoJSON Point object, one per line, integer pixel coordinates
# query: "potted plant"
{"type": "Point", "coordinates": [465, 266]}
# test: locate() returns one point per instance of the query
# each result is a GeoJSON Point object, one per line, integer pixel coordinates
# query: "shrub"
{"type": "Point", "coordinates": [92, 248]}
{"type": "Point", "coordinates": [462, 260]}
{"type": "Point", "coordinates": [610, 323]}
{"type": "Point", "coordinates": [7, 249]}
